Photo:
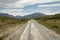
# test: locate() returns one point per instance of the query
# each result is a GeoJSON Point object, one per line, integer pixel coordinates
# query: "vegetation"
{"type": "Point", "coordinates": [51, 21]}
{"type": "Point", "coordinates": [7, 23]}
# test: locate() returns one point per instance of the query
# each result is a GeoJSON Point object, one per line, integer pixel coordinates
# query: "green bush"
{"type": "Point", "coordinates": [54, 26]}
{"type": "Point", "coordinates": [0, 25]}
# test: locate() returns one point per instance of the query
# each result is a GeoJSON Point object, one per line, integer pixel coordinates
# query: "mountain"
{"type": "Point", "coordinates": [5, 14]}
{"type": "Point", "coordinates": [18, 17]}
{"type": "Point", "coordinates": [34, 15]}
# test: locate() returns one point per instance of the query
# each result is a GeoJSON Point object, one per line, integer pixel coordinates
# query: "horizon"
{"type": "Point", "coordinates": [28, 14]}
{"type": "Point", "coordinates": [26, 7]}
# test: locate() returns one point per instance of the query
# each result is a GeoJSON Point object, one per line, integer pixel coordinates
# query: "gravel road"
{"type": "Point", "coordinates": [31, 31]}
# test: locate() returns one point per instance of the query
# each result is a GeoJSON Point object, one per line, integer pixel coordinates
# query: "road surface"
{"type": "Point", "coordinates": [32, 31]}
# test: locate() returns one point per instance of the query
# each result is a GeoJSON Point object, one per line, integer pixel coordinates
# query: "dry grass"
{"type": "Point", "coordinates": [7, 23]}
{"type": "Point", "coordinates": [51, 24]}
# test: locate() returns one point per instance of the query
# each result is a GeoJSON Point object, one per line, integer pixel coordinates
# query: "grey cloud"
{"type": "Point", "coordinates": [4, 3]}
{"type": "Point", "coordinates": [7, 1]}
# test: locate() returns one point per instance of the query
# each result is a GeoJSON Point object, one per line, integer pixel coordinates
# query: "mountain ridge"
{"type": "Point", "coordinates": [34, 15]}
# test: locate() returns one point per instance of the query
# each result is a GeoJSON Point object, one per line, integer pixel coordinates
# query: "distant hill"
{"type": "Point", "coordinates": [18, 17]}
{"type": "Point", "coordinates": [50, 17]}
{"type": "Point", "coordinates": [50, 21]}
{"type": "Point", "coordinates": [56, 16]}
{"type": "Point", "coordinates": [5, 14]}
{"type": "Point", "coordinates": [34, 15]}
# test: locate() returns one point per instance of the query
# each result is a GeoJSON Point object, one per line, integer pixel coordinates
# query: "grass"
{"type": "Point", "coordinates": [55, 26]}
{"type": "Point", "coordinates": [7, 23]}
{"type": "Point", "coordinates": [52, 22]}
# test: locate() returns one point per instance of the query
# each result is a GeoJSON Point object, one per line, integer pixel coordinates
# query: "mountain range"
{"type": "Point", "coordinates": [34, 15]}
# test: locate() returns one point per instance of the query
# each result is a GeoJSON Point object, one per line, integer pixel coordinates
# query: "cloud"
{"type": "Point", "coordinates": [8, 1]}
{"type": "Point", "coordinates": [15, 7]}
{"type": "Point", "coordinates": [20, 3]}
{"type": "Point", "coordinates": [49, 5]}
{"type": "Point", "coordinates": [13, 11]}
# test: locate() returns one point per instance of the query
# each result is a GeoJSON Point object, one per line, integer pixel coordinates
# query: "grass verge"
{"type": "Point", "coordinates": [52, 22]}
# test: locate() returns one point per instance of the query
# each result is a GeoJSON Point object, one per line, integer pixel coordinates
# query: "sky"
{"type": "Point", "coordinates": [26, 7]}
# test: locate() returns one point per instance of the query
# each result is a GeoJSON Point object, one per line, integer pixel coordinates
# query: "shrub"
{"type": "Point", "coordinates": [54, 26]}
{"type": "Point", "coordinates": [0, 25]}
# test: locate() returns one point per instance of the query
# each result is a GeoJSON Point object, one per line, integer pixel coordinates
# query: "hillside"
{"type": "Point", "coordinates": [34, 15]}
{"type": "Point", "coordinates": [51, 21]}
{"type": "Point", "coordinates": [8, 15]}
{"type": "Point", "coordinates": [30, 16]}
